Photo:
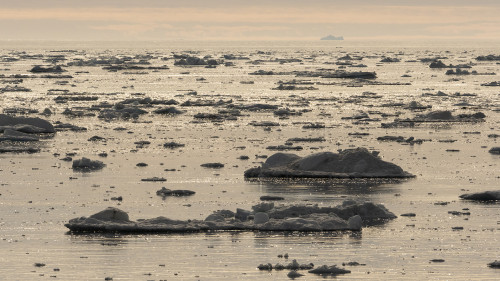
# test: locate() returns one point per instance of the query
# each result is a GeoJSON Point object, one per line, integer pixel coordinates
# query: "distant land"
{"type": "Point", "coordinates": [331, 37]}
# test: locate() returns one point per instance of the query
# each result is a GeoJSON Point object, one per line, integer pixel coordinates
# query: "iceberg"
{"type": "Point", "coordinates": [331, 37]}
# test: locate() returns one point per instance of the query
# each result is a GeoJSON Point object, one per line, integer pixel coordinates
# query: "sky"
{"type": "Point", "coordinates": [127, 20]}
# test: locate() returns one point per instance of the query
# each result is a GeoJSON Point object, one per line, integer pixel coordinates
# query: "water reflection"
{"type": "Point", "coordinates": [321, 189]}
{"type": "Point", "coordinates": [104, 239]}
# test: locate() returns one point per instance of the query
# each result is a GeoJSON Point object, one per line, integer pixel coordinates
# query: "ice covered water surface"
{"type": "Point", "coordinates": [103, 108]}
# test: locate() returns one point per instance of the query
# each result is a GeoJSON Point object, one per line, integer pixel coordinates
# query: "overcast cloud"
{"type": "Point", "coordinates": [248, 20]}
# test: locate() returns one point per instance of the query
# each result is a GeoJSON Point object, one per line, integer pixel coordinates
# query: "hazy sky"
{"type": "Point", "coordinates": [248, 20]}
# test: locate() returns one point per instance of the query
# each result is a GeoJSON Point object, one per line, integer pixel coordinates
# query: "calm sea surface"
{"type": "Point", "coordinates": [39, 192]}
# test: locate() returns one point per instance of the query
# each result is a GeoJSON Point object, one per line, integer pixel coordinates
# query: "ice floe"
{"type": "Point", "coordinates": [493, 195]}
{"type": "Point", "coordinates": [265, 217]}
{"type": "Point", "coordinates": [349, 163]}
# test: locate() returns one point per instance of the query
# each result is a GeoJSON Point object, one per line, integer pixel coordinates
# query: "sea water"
{"type": "Point", "coordinates": [40, 192]}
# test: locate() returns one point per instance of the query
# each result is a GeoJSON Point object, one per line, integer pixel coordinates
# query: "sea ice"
{"type": "Point", "coordinates": [282, 218]}
{"type": "Point", "coordinates": [35, 124]}
{"type": "Point", "coordinates": [87, 164]}
{"type": "Point", "coordinates": [325, 269]}
{"type": "Point", "coordinates": [350, 163]}
{"type": "Point", "coordinates": [482, 196]}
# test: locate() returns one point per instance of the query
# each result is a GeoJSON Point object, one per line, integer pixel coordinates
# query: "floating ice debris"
{"type": "Point", "coordinates": [287, 112]}
{"type": "Point", "coordinates": [293, 87]}
{"type": "Point", "coordinates": [482, 196]}
{"type": "Point", "coordinates": [119, 110]}
{"type": "Point", "coordinates": [458, 71]}
{"type": "Point", "coordinates": [178, 192]}
{"type": "Point", "coordinates": [408, 215]}
{"type": "Point", "coordinates": [294, 265]}
{"type": "Point", "coordinates": [26, 124]}
{"type": "Point", "coordinates": [313, 126]}
{"type": "Point", "coordinates": [87, 164]}
{"type": "Point", "coordinates": [266, 218]}
{"type": "Point", "coordinates": [387, 59]}
{"type": "Point", "coordinates": [495, 264]}
{"type": "Point", "coordinates": [201, 102]}
{"type": "Point", "coordinates": [352, 263]}
{"type": "Point", "coordinates": [173, 145]}
{"type": "Point", "coordinates": [488, 58]}
{"type": "Point", "coordinates": [168, 111]}
{"type": "Point", "coordinates": [19, 110]}
{"type": "Point", "coordinates": [329, 270]}
{"type": "Point", "coordinates": [494, 150]}
{"type": "Point", "coordinates": [271, 198]}
{"type": "Point", "coordinates": [284, 147]}
{"type": "Point", "coordinates": [264, 124]}
{"type": "Point", "coordinates": [189, 60]}
{"type": "Point", "coordinates": [256, 107]}
{"type": "Point", "coordinates": [15, 88]}
{"type": "Point", "coordinates": [154, 179]}
{"type": "Point", "coordinates": [96, 138]}
{"type": "Point", "coordinates": [12, 135]}
{"type": "Point", "coordinates": [350, 163]}
{"type": "Point", "coordinates": [458, 213]}
{"type": "Point", "coordinates": [17, 149]}
{"type": "Point", "coordinates": [445, 116]}
{"type": "Point", "coordinates": [412, 140]}
{"type": "Point", "coordinates": [294, 274]}
{"type": "Point", "coordinates": [266, 266]}
{"type": "Point", "coordinates": [66, 126]}
{"type": "Point", "coordinates": [492, 84]}
{"type": "Point", "coordinates": [213, 165]}
{"type": "Point", "coordinates": [51, 69]}
{"type": "Point", "coordinates": [414, 105]}
{"type": "Point", "coordinates": [438, 64]}
{"type": "Point", "coordinates": [260, 217]}
{"type": "Point", "coordinates": [319, 139]}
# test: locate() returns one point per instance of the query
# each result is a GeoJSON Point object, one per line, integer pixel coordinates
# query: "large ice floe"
{"type": "Point", "coordinates": [349, 163]}
{"type": "Point", "coordinates": [264, 217]}
{"type": "Point", "coordinates": [26, 125]}
{"type": "Point", "coordinates": [492, 195]}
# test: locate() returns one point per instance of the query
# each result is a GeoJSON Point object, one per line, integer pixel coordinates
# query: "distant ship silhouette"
{"type": "Point", "coordinates": [331, 37]}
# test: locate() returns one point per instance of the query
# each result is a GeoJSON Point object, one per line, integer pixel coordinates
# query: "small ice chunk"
{"type": "Point", "coordinates": [260, 218]}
